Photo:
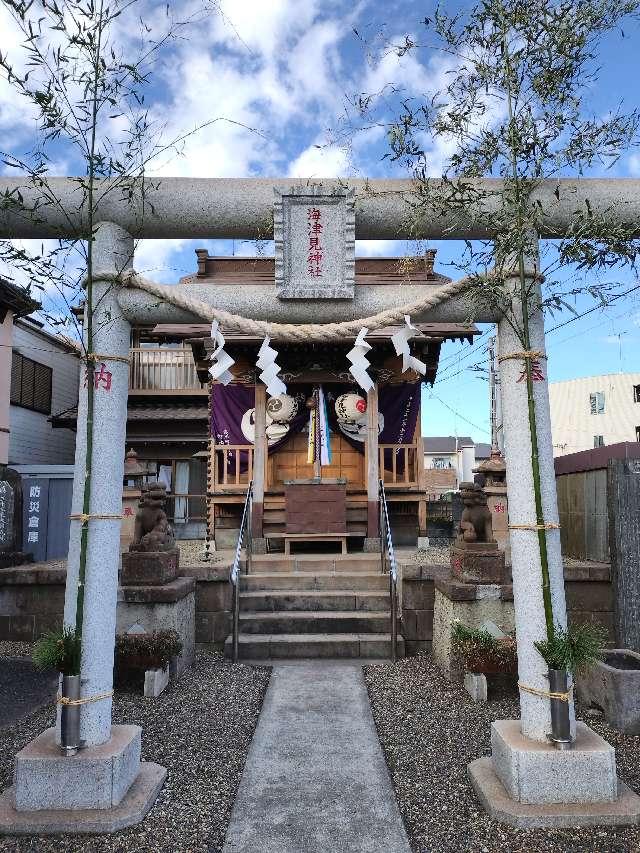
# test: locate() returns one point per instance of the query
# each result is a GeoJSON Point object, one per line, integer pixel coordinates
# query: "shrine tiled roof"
{"type": "Point", "coordinates": [144, 412]}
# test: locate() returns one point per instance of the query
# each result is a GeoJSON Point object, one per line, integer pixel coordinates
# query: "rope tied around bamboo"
{"type": "Point", "coordinates": [64, 700]}
{"type": "Point", "coordinates": [523, 355]}
{"type": "Point", "coordinates": [290, 332]}
{"type": "Point", "coordinates": [546, 694]}
{"type": "Point", "coordinates": [97, 357]}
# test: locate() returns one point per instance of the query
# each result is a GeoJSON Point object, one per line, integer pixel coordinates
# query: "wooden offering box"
{"type": "Point", "coordinates": [316, 506]}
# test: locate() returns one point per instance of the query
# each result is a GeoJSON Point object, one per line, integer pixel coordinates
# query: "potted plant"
{"type": "Point", "coordinates": [565, 652]}
{"type": "Point", "coordinates": [481, 652]}
{"type": "Point", "coordinates": [61, 650]}
{"type": "Point", "coordinates": [135, 653]}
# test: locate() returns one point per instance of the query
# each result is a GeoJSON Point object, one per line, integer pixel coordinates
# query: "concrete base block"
{"type": "Point", "coordinates": [423, 543]}
{"type": "Point", "coordinates": [475, 683]}
{"type": "Point", "coordinates": [131, 810]}
{"type": "Point", "coordinates": [372, 545]}
{"type": "Point", "coordinates": [498, 804]}
{"type": "Point", "coordinates": [97, 777]}
{"type": "Point", "coordinates": [538, 774]}
{"type": "Point", "coordinates": [155, 681]}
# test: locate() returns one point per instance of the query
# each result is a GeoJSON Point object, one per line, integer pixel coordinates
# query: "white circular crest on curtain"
{"type": "Point", "coordinates": [282, 408]}
{"type": "Point", "coordinates": [275, 431]}
{"type": "Point", "coordinates": [357, 430]}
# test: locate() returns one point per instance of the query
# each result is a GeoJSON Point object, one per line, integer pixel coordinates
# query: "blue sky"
{"type": "Point", "coordinates": [278, 78]}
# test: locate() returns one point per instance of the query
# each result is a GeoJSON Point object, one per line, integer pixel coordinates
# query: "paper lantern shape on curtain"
{"type": "Point", "coordinates": [282, 408]}
{"type": "Point", "coordinates": [350, 408]}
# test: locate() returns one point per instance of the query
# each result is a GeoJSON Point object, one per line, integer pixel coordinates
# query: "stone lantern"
{"type": "Point", "coordinates": [494, 470]}
{"type": "Point", "coordinates": [134, 474]}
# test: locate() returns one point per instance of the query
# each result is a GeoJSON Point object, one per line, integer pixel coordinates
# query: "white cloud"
{"type": "Point", "coordinates": [320, 162]}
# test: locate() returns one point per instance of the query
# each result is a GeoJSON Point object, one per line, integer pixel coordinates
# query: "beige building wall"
{"type": "Point", "coordinates": [573, 425]}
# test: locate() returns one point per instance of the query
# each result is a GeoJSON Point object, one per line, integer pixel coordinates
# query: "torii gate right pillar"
{"type": "Point", "coordinates": [527, 781]}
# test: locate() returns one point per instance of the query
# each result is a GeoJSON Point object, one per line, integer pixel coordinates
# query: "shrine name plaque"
{"type": "Point", "coordinates": [315, 506]}
{"type": "Point", "coordinates": [314, 236]}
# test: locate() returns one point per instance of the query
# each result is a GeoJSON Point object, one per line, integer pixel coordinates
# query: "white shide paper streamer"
{"type": "Point", "coordinates": [400, 341]}
{"type": "Point", "coordinates": [267, 364]}
{"type": "Point", "coordinates": [359, 363]}
{"type": "Point", "coordinates": [222, 361]}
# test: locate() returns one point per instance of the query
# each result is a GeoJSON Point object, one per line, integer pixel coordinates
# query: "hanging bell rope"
{"type": "Point", "coordinates": [289, 332]}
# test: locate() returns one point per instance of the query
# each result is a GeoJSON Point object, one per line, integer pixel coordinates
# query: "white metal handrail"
{"type": "Point", "coordinates": [234, 576]}
{"type": "Point", "coordinates": [387, 554]}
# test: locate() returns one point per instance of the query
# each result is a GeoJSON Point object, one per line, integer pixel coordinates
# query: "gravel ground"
{"type": "Point", "coordinates": [191, 551]}
{"type": "Point", "coordinates": [200, 729]}
{"type": "Point", "coordinates": [430, 730]}
{"type": "Point", "coordinates": [431, 556]}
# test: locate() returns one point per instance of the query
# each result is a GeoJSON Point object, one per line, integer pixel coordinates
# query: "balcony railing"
{"type": "Point", "coordinates": [154, 370]}
{"type": "Point", "coordinates": [398, 465]}
{"type": "Point", "coordinates": [233, 467]}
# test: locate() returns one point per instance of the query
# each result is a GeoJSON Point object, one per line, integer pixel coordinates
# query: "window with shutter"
{"type": "Point", "coordinates": [30, 384]}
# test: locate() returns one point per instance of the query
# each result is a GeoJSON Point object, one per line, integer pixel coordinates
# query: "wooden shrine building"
{"type": "Point", "coordinates": [374, 436]}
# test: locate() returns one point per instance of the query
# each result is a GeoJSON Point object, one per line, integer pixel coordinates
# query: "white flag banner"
{"type": "Point", "coordinates": [359, 363]}
{"type": "Point", "coordinates": [222, 361]}
{"type": "Point", "coordinates": [266, 363]}
{"type": "Point", "coordinates": [400, 341]}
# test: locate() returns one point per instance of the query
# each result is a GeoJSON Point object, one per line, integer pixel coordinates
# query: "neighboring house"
{"type": "Point", "coordinates": [594, 411]}
{"type": "Point", "coordinates": [167, 425]}
{"type": "Point", "coordinates": [15, 302]}
{"type": "Point", "coordinates": [44, 381]}
{"type": "Point", "coordinates": [450, 460]}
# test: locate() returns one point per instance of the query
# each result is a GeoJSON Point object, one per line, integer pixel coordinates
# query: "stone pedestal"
{"type": "Point", "coordinates": [477, 562]}
{"type": "Point", "coordinates": [161, 607]}
{"type": "Point", "coordinates": [470, 604]}
{"type": "Point", "coordinates": [141, 568]}
{"type": "Point", "coordinates": [101, 789]}
{"type": "Point", "coordinates": [529, 783]}
{"type": "Point", "coordinates": [96, 778]}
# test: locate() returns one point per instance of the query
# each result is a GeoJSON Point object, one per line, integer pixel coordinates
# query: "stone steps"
{"type": "Point", "coordinates": [315, 622]}
{"type": "Point", "coordinates": [318, 581]}
{"type": "Point", "coordinates": [305, 563]}
{"type": "Point", "coordinates": [313, 600]}
{"type": "Point", "coordinates": [282, 646]}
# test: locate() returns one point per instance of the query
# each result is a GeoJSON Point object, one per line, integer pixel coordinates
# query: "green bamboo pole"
{"type": "Point", "coordinates": [526, 342]}
{"type": "Point", "coordinates": [86, 497]}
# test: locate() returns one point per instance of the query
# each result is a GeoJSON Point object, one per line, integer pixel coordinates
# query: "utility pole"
{"type": "Point", "coordinates": [496, 407]}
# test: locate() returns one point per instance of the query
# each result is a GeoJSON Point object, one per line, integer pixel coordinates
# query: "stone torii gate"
{"type": "Point", "coordinates": [528, 780]}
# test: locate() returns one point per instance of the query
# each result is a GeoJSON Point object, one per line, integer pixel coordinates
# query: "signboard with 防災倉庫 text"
{"type": "Point", "coordinates": [35, 505]}
{"type": "Point", "coordinates": [314, 235]}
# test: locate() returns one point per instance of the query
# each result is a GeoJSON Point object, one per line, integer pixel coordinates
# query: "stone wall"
{"type": "Point", "coordinates": [587, 586]}
{"type": "Point", "coordinates": [214, 601]}
{"type": "Point", "coordinates": [32, 601]}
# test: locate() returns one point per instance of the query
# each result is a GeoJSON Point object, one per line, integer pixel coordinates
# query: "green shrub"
{"type": "Point", "coordinates": [151, 651]}
{"type": "Point", "coordinates": [59, 650]}
{"type": "Point", "coordinates": [574, 648]}
{"type": "Point", "coordinates": [480, 651]}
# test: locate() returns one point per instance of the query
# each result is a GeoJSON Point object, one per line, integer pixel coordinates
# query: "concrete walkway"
{"type": "Point", "coordinates": [316, 780]}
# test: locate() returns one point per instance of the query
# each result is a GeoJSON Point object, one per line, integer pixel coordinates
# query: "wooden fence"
{"type": "Point", "coordinates": [584, 520]}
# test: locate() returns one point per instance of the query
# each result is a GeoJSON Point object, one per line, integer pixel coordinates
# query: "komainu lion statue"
{"type": "Point", "coordinates": [152, 529]}
{"type": "Point", "coordinates": [475, 522]}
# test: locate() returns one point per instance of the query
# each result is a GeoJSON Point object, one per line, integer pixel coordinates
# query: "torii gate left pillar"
{"type": "Point", "coordinates": [107, 776]}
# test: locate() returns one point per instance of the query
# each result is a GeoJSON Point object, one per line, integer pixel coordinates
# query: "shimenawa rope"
{"type": "Point", "coordinates": [291, 332]}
